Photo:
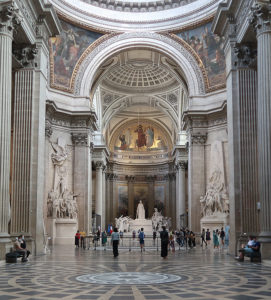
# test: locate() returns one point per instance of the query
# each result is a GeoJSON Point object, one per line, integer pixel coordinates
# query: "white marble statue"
{"type": "Point", "coordinates": [140, 211]}
{"type": "Point", "coordinates": [123, 223]}
{"type": "Point", "coordinates": [157, 220]}
{"type": "Point", "coordinates": [60, 154]}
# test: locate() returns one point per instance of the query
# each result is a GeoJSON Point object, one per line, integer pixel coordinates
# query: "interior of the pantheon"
{"type": "Point", "coordinates": [106, 103]}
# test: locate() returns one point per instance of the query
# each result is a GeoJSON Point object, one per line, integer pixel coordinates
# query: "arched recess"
{"type": "Point", "coordinates": [85, 72]}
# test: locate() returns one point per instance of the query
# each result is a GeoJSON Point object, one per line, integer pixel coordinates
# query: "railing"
{"type": "Point", "coordinates": [130, 243]}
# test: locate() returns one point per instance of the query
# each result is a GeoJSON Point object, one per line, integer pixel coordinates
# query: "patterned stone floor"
{"type": "Point", "coordinates": [197, 274]}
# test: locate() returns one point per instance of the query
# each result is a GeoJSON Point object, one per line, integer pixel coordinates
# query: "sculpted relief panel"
{"type": "Point", "coordinates": [208, 47]}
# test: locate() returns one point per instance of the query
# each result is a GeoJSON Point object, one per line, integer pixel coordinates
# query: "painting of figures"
{"type": "Point", "coordinates": [141, 193]}
{"type": "Point", "coordinates": [122, 200]}
{"type": "Point", "coordinates": [159, 198]}
{"type": "Point", "coordinates": [141, 137]}
{"type": "Point", "coordinates": [66, 49]}
{"type": "Point", "coordinates": [208, 47]}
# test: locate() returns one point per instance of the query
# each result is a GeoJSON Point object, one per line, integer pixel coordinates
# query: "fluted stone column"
{"type": "Point", "coordinates": [8, 19]}
{"type": "Point", "coordinates": [83, 179]}
{"type": "Point", "coordinates": [130, 180]}
{"type": "Point", "coordinates": [262, 21]}
{"type": "Point", "coordinates": [180, 195]}
{"type": "Point", "coordinates": [151, 181]}
{"type": "Point", "coordinates": [21, 161]}
{"type": "Point", "coordinates": [99, 193]}
{"type": "Point", "coordinates": [196, 179]}
{"type": "Point", "coordinates": [172, 198]}
{"type": "Point", "coordinates": [104, 201]}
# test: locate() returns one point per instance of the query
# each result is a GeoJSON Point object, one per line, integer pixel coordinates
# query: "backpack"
{"type": "Point", "coordinates": [141, 235]}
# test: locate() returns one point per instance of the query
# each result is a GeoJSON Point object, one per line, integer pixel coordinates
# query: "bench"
{"type": "Point", "coordinates": [11, 257]}
{"type": "Point", "coordinates": [255, 256]}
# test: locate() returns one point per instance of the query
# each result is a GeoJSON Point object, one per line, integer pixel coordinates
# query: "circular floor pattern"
{"type": "Point", "coordinates": [128, 278]}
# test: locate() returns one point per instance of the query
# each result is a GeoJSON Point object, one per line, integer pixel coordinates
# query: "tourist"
{"type": "Point", "coordinates": [82, 239]}
{"type": "Point", "coordinates": [252, 246]}
{"type": "Point", "coordinates": [21, 251]}
{"type": "Point", "coordinates": [115, 237]}
{"type": "Point", "coordinates": [154, 234]}
{"type": "Point", "coordinates": [77, 239]}
{"type": "Point", "coordinates": [222, 236]}
{"type": "Point", "coordinates": [208, 236]}
{"type": "Point", "coordinates": [22, 241]}
{"type": "Point", "coordinates": [104, 238]}
{"type": "Point", "coordinates": [134, 234]}
{"type": "Point", "coordinates": [215, 239]}
{"type": "Point", "coordinates": [141, 237]}
{"type": "Point", "coordinates": [192, 239]}
{"type": "Point", "coordinates": [171, 241]}
{"type": "Point", "coordinates": [203, 234]}
{"type": "Point", "coordinates": [164, 242]}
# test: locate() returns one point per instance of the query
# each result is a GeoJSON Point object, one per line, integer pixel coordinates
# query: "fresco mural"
{"type": "Point", "coordinates": [122, 200]}
{"type": "Point", "coordinates": [141, 137]}
{"type": "Point", "coordinates": [159, 198]}
{"type": "Point", "coordinates": [141, 193]}
{"type": "Point", "coordinates": [208, 46]}
{"type": "Point", "coordinates": [66, 49]}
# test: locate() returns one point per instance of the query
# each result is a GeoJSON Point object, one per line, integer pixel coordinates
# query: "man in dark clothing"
{"type": "Point", "coordinates": [164, 242]}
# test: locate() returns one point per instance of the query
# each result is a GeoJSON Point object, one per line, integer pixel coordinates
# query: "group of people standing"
{"type": "Point", "coordinates": [218, 238]}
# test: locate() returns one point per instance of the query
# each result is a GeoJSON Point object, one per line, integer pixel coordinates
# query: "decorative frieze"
{"type": "Point", "coordinates": [80, 138]}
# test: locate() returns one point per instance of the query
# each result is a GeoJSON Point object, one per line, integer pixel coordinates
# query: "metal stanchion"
{"type": "Point", "coordinates": [157, 245]}
{"type": "Point", "coordinates": [130, 246]}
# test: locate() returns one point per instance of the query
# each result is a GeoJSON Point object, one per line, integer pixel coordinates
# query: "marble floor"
{"type": "Point", "coordinates": [69, 273]}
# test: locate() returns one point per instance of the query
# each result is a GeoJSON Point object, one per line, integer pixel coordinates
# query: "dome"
{"type": "Point", "coordinates": [136, 15]}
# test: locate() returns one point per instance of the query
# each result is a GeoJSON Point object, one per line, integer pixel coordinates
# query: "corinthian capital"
{"type": "Point", "coordinates": [246, 55]}
{"type": "Point", "coordinates": [198, 138]}
{"type": "Point", "coordinates": [9, 19]}
{"type": "Point", "coordinates": [261, 16]}
{"type": "Point", "coordinates": [25, 54]}
{"type": "Point", "coordinates": [80, 139]}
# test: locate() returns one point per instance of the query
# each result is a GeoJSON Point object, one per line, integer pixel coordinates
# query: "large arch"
{"type": "Point", "coordinates": [179, 52]}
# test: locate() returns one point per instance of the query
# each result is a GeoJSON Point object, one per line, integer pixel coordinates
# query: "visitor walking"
{"type": "Point", "coordinates": [104, 238]}
{"type": "Point", "coordinates": [141, 237]}
{"type": "Point", "coordinates": [222, 237]}
{"type": "Point", "coordinates": [203, 234]}
{"type": "Point", "coordinates": [115, 237]}
{"type": "Point", "coordinates": [164, 242]}
{"type": "Point", "coordinates": [208, 236]}
{"type": "Point", "coordinates": [77, 239]}
{"type": "Point", "coordinates": [215, 239]}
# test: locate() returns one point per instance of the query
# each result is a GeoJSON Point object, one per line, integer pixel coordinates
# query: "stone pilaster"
{"type": "Point", "coordinates": [8, 21]}
{"type": "Point", "coordinates": [104, 206]}
{"type": "Point", "coordinates": [180, 194]}
{"type": "Point", "coordinates": [21, 161]}
{"type": "Point", "coordinates": [83, 179]}
{"type": "Point", "coordinates": [262, 22]}
{"type": "Point", "coordinates": [151, 182]}
{"type": "Point", "coordinates": [172, 199]}
{"type": "Point", "coordinates": [245, 64]}
{"type": "Point", "coordinates": [196, 179]}
{"type": "Point", "coordinates": [99, 193]}
{"type": "Point", "coordinates": [130, 180]}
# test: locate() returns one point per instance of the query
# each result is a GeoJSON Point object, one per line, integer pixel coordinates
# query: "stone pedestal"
{"type": "Point", "coordinates": [62, 231]}
{"type": "Point", "coordinates": [214, 222]}
{"type": "Point", "coordinates": [137, 224]}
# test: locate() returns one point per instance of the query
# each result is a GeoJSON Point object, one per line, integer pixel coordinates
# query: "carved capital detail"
{"type": "Point", "coordinates": [261, 17]}
{"type": "Point", "coordinates": [198, 138]}
{"type": "Point", "coordinates": [150, 178]}
{"type": "Point", "coordinates": [9, 20]}
{"type": "Point", "coordinates": [25, 54]}
{"type": "Point", "coordinates": [99, 164]}
{"type": "Point", "coordinates": [246, 55]}
{"type": "Point", "coordinates": [80, 139]}
{"type": "Point", "coordinates": [130, 178]}
{"type": "Point", "coordinates": [182, 165]}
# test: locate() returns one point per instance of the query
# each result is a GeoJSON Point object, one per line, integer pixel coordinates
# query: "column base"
{"type": "Point", "coordinates": [5, 246]}
{"type": "Point", "coordinates": [265, 240]}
